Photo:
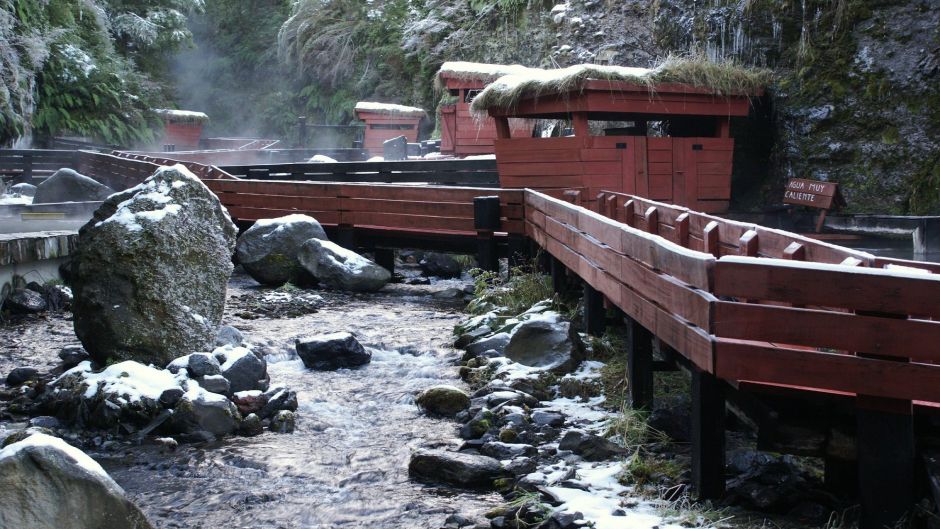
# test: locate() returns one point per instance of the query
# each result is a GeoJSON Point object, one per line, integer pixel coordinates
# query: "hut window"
{"type": "Point", "coordinates": [390, 126]}
{"type": "Point", "coordinates": [469, 95]}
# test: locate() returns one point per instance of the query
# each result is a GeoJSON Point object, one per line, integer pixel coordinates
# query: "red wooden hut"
{"type": "Point", "coordinates": [463, 134]}
{"type": "Point", "coordinates": [182, 128]}
{"type": "Point", "coordinates": [625, 129]}
{"type": "Point", "coordinates": [385, 121]}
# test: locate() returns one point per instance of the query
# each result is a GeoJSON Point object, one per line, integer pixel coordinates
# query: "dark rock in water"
{"type": "Point", "coordinates": [251, 426]}
{"type": "Point", "coordinates": [456, 521]}
{"type": "Point", "coordinates": [455, 468]}
{"type": "Point", "coordinates": [500, 450]}
{"type": "Point", "coordinates": [443, 400]}
{"type": "Point", "coordinates": [66, 185]}
{"type": "Point", "coordinates": [589, 446]}
{"type": "Point", "coordinates": [171, 397]}
{"type": "Point", "coordinates": [268, 249]}
{"type": "Point", "coordinates": [229, 335]}
{"type": "Point", "coordinates": [332, 351]}
{"type": "Point", "coordinates": [471, 336]}
{"type": "Point", "coordinates": [243, 369]}
{"type": "Point", "coordinates": [548, 418]}
{"type": "Point", "coordinates": [522, 466]}
{"type": "Point", "coordinates": [206, 412]}
{"type": "Point", "coordinates": [44, 482]}
{"type": "Point", "coordinates": [283, 422]}
{"type": "Point", "coordinates": [35, 287]}
{"type": "Point", "coordinates": [250, 402]}
{"type": "Point", "coordinates": [417, 281]}
{"type": "Point", "coordinates": [440, 265]}
{"type": "Point", "coordinates": [151, 270]}
{"type": "Point", "coordinates": [45, 421]}
{"type": "Point", "coordinates": [22, 375]}
{"type": "Point", "coordinates": [448, 293]}
{"type": "Point", "coordinates": [278, 399]}
{"type": "Point", "coordinates": [25, 301]}
{"type": "Point", "coordinates": [510, 398]}
{"type": "Point", "coordinates": [563, 520]}
{"type": "Point", "coordinates": [23, 190]}
{"type": "Point", "coordinates": [549, 345]}
{"type": "Point", "coordinates": [476, 427]}
{"type": "Point", "coordinates": [336, 267]}
{"type": "Point", "coordinates": [216, 384]}
{"type": "Point", "coordinates": [72, 355]}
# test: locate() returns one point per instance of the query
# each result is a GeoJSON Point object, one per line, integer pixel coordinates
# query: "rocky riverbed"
{"type": "Point", "coordinates": [346, 463]}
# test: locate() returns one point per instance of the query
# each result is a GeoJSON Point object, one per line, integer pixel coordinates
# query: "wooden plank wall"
{"type": "Point", "coordinates": [34, 163]}
{"type": "Point", "coordinates": [407, 208]}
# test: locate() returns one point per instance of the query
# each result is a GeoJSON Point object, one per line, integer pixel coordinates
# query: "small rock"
{"type": "Point", "coordinates": [278, 399]}
{"type": "Point", "coordinates": [496, 342]}
{"type": "Point", "coordinates": [250, 402]}
{"type": "Point", "coordinates": [500, 450]}
{"type": "Point", "coordinates": [521, 466]}
{"type": "Point", "coordinates": [72, 355]}
{"type": "Point", "coordinates": [66, 185]}
{"type": "Point", "coordinates": [440, 265]}
{"type": "Point", "coordinates": [196, 365]}
{"type": "Point", "coordinates": [417, 281]}
{"type": "Point", "coordinates": [589, 446]}
{"type": "Point", "coordinates": [25, 301]}
{"type": "Point", "coordinates": [207, 412]}
{"type": "Point", "coordinates": [243, 369]}
{"type": "Point", "coordinates": [448, 293]}
{"type": "Point", "coordinates": [546, 344]}
{"type": "Point", "coordinates": [332, 351]}
{"type": "Point", "coordinates": [45, 421]}
{"type": "Point", "coordinates": [251, 426]}
{"type": "Point", "coordinates": [455, 468]}
{"type": "Point", "coordinates": [171, 397]}
{"type": "Point", "coordinates": [23, 190]}
{"type": "Point", "coordinates": [58, 297]}
{"type": "Point", "coordinates": [339, 268]}
{"type": "Point", "coordinates": [22, 375]}
{"type": "Point", "coordinates": [548, 418]}
{"type": "Point", "coordinates": [443, 400]}
{"type": "Point", "coordinates": [229, 335]}
{"type": "Point", "coordinates": [215, 384]}
{"type": "Point", "coordinates": [283, 422]}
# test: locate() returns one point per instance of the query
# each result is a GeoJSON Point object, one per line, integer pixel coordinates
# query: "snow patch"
{"type": "Point", "coordinates": [320, 158]}
{"type": "Point", "coordinates": [129, 380]}
{"type": "Point", "coordinates": [389, 108]}
{"type": "Point", "coordinates": [42, 440]}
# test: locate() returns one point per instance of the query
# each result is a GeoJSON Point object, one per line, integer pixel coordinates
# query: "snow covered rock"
{"type": "Point", "coordinates": [283, 422]}
{"type": "Point", "coordinates": [45, 482]}
{"type": "Point", "coordinates": [151, 270]}
{"type": "Point", "coordinates": [455, 468]}
{"type": "Point", "coordinates": [229, 335]}
{"type": "Point", "coordinates": [443, 400]}
{"type": "Point", "coordinates": [339, 268]}
{"type": "Point", "coordinates": [23, 190]}
{"type": "Point", "coordinates": [496, 342]}
{"type": "Point", "coordinates": [268, 250]}
{"type": "Point", "coordinates": [327, 352]}
{"type": "Point", "coordinates": [589, 446]}
{"type": "Point", "coordinates": [196, 364]}
{"type": "Point", "coordinates": [543, 343]}
{"type": "Point", "coordinates": [25, 301]}
{"type": "Point", "coordinates": [243, 369]}
{"type": "Point", "coordinates": [202, 411]}
{"type": "Point", "coordinates": [66, 185]}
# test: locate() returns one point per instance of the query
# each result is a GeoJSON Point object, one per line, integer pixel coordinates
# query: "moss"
{"type": "Point", "coordinates": [890, 136]}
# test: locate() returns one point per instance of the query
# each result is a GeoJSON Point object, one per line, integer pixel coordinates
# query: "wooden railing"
{"type": "Point", "coordinates": [477, 173]}
{"type": "Point", "coordinates": [34, 163]}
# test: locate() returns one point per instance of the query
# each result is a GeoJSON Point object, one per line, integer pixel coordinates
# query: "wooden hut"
{"type": "Point", "coordinates": [181, 128]}
{"type": "Point", "coordinates": [463, 134]}
{"type": "Point", "coordinates": [625, 129]}
{"type": "Point", "coordinates": [385, 121]}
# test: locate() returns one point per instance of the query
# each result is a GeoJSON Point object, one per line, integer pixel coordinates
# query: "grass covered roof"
{"type": "Point", "coordinates": [716, 77]}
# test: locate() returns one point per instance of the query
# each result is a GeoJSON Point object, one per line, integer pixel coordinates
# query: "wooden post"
{"type": "Point", "coordinates": [503, 131]}
{"type": "Point", "coordinates": [885, 460]}
{"type": "Point", "coordinates": [710, 237]}
{"type": "Point", "coordinates": [28, 168]}
{"type": "Point", "coordinates": [639, 364]}
{"type": "Point", "coordinates": [385, 257]}
{"type": "Point", "coordinates": [652, 220]}
{"type": "Point", "coordinates": [346, 236]}
{"type": "Point", "coordinates": [518, 251]}
{"type": "Point", "coordinates": [628, 213]}
{"type": "Point", "coordinates": [559, 276]}
{"type": "Point", "coordinates": [708, 435]}
{"type": "Point", "coordinates": [682, 229]}
{"type": "Point", "coordinates": [611, 206]}
{"type": "Point", "coordinates": [486, 221]}
{"type": "Point", "coordinates": [594, 313]}
{"type": "Point", "coordinates": [748, 243]}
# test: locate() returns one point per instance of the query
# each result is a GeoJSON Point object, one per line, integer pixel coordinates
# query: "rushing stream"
{"type": "Point", "coordinates": [346, 463]}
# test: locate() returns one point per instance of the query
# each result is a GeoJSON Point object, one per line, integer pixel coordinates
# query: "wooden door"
{"type": "Point", "coordinates": [448, 128]}
{"type": "Point", "coordinates": [660, 164]}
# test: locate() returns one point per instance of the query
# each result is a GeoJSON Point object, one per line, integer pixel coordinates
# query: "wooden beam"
{"type": "Point", "coordinates": [708, 435]}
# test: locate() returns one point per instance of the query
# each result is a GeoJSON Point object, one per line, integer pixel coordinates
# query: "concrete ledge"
{"type": "Point", "coordinates": [36, 256]}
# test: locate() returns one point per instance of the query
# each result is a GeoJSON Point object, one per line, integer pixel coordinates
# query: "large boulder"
{"type": "Point", "coordinates": [67, 185]}
{"type": "Point", "coordinates": [268, 250]}
{"type": "Point", "coordinates": [545, 343]}
{"type": "Point", "coordinates": [339, 268]}
{"type": "Point", "coordinates": [332, 351]}
{"type": "Point", "coordinates": [440, 265]}
{"type": "Point", "coordinates": [455, 468]}
{"type": "Point", "coordinates": [25, 301]}
{"type": "Point", "coordinates": [151, 270]}
{"type": "Point", "coordinates": [46, 483]}
{"type": "Point", "coordinates": [443, 400]}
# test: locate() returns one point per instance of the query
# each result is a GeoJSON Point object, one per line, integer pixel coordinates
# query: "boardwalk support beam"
{"type": "Point", "coordinates": [385, 257]}
{"type": "Point", "coordinates": [639, 364]}
{"type": "Point", "coordinates": [595, 314]}
{"type": "Point", "coordinates": [559, 275]}
{"type": "Point", "coordinates": [346, 236]}
{"type": "Point", "coordinates": [486, 221]}
{"type": "Point", "coordinates": [708, 435]}
{"type": "Point", "coordinates": [885, 462]}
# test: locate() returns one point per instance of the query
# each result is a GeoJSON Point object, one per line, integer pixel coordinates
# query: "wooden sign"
{"type": "Point", "coordinates": [815, 194]}
{"type": "Point", "coordinates": [822, 195]}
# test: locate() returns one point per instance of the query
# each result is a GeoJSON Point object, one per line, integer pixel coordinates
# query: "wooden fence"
{"type": "Point", "coordinates": [476, 173]}
{"type": "Point", "coordinates": [33, 163]}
